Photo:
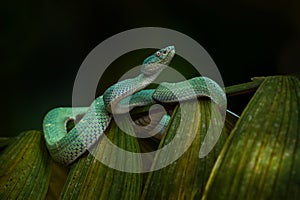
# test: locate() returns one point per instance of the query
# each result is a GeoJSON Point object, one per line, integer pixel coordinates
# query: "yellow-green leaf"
{"type": "Point", "coordinates": [91, 179]}
{"type": "Point", "coordinates": [186, 177]}
{"type": "Point", "coordinates": [261, 159]}
{"type": "Point", "coordinates": [25, 168]}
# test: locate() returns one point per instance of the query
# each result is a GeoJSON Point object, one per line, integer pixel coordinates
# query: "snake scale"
{"type": "Point", "coordinates": [65, 147]}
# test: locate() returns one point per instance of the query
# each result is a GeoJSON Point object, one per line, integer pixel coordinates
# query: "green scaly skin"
{"type": "Point", "coordinates": [65, 147]}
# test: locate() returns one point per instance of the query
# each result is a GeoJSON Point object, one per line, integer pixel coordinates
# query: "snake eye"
{"type": "Point", "coordinates": [164, 52]}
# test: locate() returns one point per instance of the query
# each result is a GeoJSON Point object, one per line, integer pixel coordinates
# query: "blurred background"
{"type": "Point", "coordinates": [44, 43]}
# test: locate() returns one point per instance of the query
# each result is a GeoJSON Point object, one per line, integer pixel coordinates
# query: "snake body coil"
{"type": "Point", "coordinates": [65, 147]}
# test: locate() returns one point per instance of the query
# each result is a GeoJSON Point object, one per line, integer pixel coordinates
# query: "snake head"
{"type": "Point", "coordinates": [158, 60]}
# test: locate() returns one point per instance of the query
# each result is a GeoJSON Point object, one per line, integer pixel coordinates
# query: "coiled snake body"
{"type": "Point", "coordinates": [65, 147]}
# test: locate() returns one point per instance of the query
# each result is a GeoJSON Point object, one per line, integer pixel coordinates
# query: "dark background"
{"type": "Point", "coordinates": [44, 43]}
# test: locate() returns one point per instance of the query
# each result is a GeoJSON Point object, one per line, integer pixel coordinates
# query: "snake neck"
{"type": "Point", "coordinates": [114, 94]}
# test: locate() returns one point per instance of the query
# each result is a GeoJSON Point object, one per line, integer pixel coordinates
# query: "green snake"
{"type": "Point", "coordinates": [65, 147]}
